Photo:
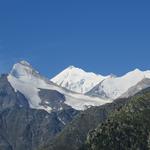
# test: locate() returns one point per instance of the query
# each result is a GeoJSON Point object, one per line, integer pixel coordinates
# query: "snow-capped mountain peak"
{"type": "Point", "coordinates": [115, 87]}
{"type": "Point", "coordinates": [71, 67]}
{"type": "Point", "coordinates": [77, 80]}
{"type": "Point", "coordinates": [23, 70]}
{"type": "Point", "coordinates": [25, 79]}
{"type": "Point", "coordinates": [24, 62]}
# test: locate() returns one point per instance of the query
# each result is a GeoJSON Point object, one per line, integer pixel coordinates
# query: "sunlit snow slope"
{"type": "Point", "coordinates": [115, 87]}
{"type": "Point", "coordinates": [28, 81]}
{"type": "Point", "coordinates": [74, 83]}
{"type": "Point", "coordinates": [77, 80]}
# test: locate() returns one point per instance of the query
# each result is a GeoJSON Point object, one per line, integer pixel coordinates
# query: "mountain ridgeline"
{"type": "Point", "coordinates": [23, 128]}
{"type": "Point", "coordinates": [75, 133]}
{"type": "Point", "coordinates": [121, 125]}
{"type": "Point", "coordinates": [126, 129]}
{"type": "Point", "coordinates": [75, 110]}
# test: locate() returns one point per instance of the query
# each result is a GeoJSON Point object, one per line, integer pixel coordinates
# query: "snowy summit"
{"type": "Point", "coordinates": [77, 80]}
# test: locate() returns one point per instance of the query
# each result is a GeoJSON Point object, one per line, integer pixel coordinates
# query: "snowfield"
{"type": "Point", "coordinates": [28, 81]}
{"type": "Point", "coordinates": [77, 80]}
{"type": "Point", "coordinates": [72, 83]}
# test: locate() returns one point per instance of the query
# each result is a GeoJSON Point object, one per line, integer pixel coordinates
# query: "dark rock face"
{"type": "Point", "coordinates": [8, 97]}
{"type": "Point", "coordinates": [55, 100]}
{"type": "Point", "coordinates": [23, 128]}
{"type": "Point", "coordinates": [27, 129]}
{"type": "Point", "coordinates": [4, 145]}
{"type": "Point", "coordinates": [74, 135]}
{"type": "Point", "coordinates": [52, 98]}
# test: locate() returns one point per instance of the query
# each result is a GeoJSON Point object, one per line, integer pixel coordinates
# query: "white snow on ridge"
{"type": "Point", "coordinates": [115, 87]}
{"type": "Point", "coordinates": [26, 80]}
{"type": "Point", "coordinates": [82, 102]}
{"type": "Point", "coordinates": [77, 80]}
{"type": "Point", "coordinates": [147, 74]}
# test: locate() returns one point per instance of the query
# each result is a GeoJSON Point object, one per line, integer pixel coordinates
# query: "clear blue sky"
{"type": "Point", "coordinates": [103, 36]}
